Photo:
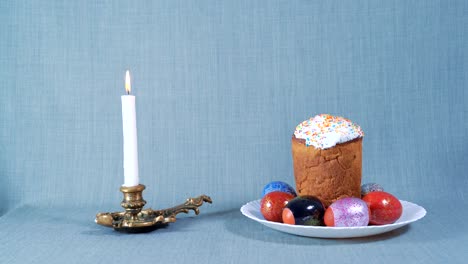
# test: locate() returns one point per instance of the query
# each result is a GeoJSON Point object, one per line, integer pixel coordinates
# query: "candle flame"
{"type": "Point", "coordinates": [128, 85]}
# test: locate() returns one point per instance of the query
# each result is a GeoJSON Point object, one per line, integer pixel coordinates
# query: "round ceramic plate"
{"type": "Point", "coordinates": [411, 213]}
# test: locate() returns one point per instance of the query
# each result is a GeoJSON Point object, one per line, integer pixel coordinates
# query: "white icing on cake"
{"type": "Point", "coordinates": [325, 131]}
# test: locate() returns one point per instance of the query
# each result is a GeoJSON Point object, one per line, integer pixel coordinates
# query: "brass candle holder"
{"type": "Point", "coordinates": [136, 220]}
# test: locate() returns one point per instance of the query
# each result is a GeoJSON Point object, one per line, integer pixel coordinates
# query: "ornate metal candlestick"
{"type": "Point", "coordinates": [137, 220]}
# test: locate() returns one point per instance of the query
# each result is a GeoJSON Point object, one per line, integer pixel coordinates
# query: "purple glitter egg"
{"type": "Point", "coordinates": [347, 212]}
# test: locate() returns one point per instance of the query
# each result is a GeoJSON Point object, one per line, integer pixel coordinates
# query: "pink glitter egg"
{"type": "Point", "coordinates": [347, 212]}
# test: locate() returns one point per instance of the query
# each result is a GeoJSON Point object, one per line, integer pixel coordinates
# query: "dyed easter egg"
{"type": "Point", "coordinates": [272, 204]}
{"type": "Point", "coordinates": [385, 208]}
{"type": "Point", "coordinates": [347, 212]}
{"type": "Point", "coordinates": [278, 186]}
{"type": "Point", "coordinates": [370, 187]}
{"type": "Point", "coordinates": [304, 210]}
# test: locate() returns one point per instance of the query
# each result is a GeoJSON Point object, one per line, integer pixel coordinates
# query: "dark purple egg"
{"type": "Point", "coordinates": [304, 210]}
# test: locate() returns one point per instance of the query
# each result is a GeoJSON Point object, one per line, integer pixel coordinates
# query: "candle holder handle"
{"type": "Point", "coordinates": [136, 220]}
{"type": "Point", "coordinates": [190, 204]}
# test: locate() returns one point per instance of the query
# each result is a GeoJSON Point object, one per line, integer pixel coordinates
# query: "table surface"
{"type": "Point", "coordinates": [57, 235]}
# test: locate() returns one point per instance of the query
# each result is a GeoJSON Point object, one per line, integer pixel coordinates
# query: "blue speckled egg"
{"type": "Point", "coordinates": [278, 186]}
{"type": "Point", "coordinates": [370, 187]}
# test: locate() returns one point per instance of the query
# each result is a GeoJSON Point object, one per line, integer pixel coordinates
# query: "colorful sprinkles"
{"type": "Point", "coordinates": [325, 131]}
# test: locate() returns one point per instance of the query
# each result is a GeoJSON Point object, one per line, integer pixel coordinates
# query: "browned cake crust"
{"type": "Point", "coordinates": [329, 174]}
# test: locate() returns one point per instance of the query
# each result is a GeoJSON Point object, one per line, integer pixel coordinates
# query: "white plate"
{"type": "Point", "coordinates": [411, 212]}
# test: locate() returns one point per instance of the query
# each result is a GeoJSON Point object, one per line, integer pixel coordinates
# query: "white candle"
{"type": "Point", "coordinates": [130, 148]}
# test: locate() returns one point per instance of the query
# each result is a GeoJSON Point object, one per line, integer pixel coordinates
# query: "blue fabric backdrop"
{"type": "Point", "coordinates": [220, 87]}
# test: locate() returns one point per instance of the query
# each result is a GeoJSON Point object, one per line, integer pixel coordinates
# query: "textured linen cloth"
{"type": "Point", "coordinates": [220, 87]}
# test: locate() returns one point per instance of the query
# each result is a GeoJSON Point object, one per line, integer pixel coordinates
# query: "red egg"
{"type": "Point", "coordinates": [384, 208]}
{"type": "Point", "coordinates": [272, 204]}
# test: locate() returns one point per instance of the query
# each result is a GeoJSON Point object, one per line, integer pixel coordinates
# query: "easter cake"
{"type": "Point", "coordinates": [327, 158]}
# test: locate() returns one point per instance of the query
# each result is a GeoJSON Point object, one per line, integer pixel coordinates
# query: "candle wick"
{"type": "Point", "coordinates": [128, 92]}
